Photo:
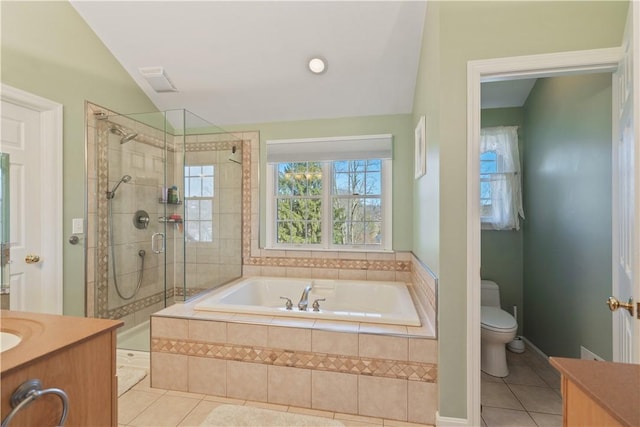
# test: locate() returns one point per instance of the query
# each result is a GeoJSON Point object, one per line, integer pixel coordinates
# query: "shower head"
{"type": "Point", "coordinates": [111, 194]}
{"type": "Point", "coordinates": [125, 137]}
{"type": "Point", "coordinates": [232, 157]}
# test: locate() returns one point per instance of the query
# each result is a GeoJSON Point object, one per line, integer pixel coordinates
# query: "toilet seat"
{"type": "Point", "coordinates": [496, 319]}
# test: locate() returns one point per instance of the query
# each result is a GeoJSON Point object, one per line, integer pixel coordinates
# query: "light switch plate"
{"type": "Point", "coordinates": [77, 226]}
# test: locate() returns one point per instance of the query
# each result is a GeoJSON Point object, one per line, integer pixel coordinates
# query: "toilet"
{"type": "Point", "coordinates": [497, 328]}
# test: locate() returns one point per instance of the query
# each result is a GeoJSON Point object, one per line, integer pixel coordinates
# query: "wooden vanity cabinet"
{"type": "Point", "coordinates": [76, 355]}
{"type": "Point", "coordinates": [602, 394]}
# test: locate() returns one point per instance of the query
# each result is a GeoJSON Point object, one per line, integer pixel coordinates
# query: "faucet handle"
{"type": "Point", "coordinates": [316, 304]}
{"type": "Point", "coordinates": [288, 305]}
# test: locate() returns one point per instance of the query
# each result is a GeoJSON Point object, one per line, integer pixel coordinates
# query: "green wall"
{"type": "Point", "coordinates": [397, 125]}
{"type": "Point", "coordinates": [567, 201]}
{"type": "Point", "coordinates": [48, 50]}
{"type": "Point", "coordinates": [501, 251]}
{"type": "Point", "coordinates": [468, 31]}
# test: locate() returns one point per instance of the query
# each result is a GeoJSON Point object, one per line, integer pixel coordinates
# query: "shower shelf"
{"type": "Point", "coordinates": [170, 220]}
{"type": "Point", "coordinates": [164, 202]}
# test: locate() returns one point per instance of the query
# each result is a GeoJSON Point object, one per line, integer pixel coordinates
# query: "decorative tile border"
{"type": "Point", "coordinates": [137, 305]}
{"type": "Point", "coordinates": [351, 264]}
{"type": "Point", "coordinates": [387, 368]}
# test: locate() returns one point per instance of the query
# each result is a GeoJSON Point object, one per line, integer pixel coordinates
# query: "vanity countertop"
{"type": "Point", "coordinates": [44, 334]}
{"type": "Point", "coordinates": [614, 386]}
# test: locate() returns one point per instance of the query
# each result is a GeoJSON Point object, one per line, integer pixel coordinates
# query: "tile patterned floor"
{"type": "Point", "coordinates": [529, 396]}
{"type": "Point", "coordinates": [146, 406]}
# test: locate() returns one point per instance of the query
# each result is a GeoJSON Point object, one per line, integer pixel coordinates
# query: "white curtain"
{"type": "Point", "coordinates": [506, 192]}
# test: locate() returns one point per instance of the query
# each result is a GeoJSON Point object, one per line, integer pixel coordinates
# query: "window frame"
{"type": "Point", "coordinates": [186, 199]}
{"type": "Point", "coordinates": [327, 244]}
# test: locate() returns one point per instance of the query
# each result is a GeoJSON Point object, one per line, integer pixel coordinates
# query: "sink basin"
{"type": "Point", "coordinates": [8, 340]}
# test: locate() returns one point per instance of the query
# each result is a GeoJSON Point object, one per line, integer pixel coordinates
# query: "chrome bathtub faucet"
{"type": "Point", "coordinates": [288, 305]}
{"type": "Point", "coordinates": [304, 299]}
{"type": "Point", "coordinates": [316, 304]}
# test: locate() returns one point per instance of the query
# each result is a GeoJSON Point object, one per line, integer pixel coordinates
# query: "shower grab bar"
{"type": "Point", "coordinates": [29, 391]}
{"type": "Point", "coordinates": [154, 240]}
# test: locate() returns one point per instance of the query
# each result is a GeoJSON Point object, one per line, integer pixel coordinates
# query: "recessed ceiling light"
{"type": "Point", "coordinates": [158, 79]}
{"type": "Point", "coordinates": [318, 65]}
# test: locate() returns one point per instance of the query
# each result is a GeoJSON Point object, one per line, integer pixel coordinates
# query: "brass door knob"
{"type": "Point", "coordinates": [31, 259]}
{"type": "Point", "coordinates": [614, 304]}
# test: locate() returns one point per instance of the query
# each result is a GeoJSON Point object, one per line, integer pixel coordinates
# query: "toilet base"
{"type": "Point", "coordinates": [494, 360]}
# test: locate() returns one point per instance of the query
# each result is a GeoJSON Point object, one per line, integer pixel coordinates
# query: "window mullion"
{"type": "Point", "coordinates": [327, 205]}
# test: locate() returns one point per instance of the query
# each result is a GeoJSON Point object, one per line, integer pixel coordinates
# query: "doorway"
{"type": "Point", "coordinates": [536, 66]}
{"type": "Point", "coordinates": [32, 137]}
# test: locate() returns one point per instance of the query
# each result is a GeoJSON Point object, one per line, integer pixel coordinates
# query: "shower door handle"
{"type": "Point", "coordinates": [154, 243]}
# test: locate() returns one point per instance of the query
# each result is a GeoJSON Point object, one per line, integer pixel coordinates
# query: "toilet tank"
{"type": "Point", "coordinates": [489, 293]}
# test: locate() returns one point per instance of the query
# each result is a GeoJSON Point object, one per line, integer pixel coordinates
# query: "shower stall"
{"type": "Point", "coordinates": [163, 214]}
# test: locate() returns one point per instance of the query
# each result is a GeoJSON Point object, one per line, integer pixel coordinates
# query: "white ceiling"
{"type": "Point", "coordinates": [239, 62]}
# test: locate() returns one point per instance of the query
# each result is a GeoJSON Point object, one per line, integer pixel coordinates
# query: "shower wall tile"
{"type": "Point", "coordinates": [324, 273]}
{"type": "Point", "coordinates": [268, 271]}
{"type": "Point", "coordinates": [386, 276]}
{"type": "Point", "coordinates": [352, 274]}
{"type": "Point", "coordinates": [298, 272]}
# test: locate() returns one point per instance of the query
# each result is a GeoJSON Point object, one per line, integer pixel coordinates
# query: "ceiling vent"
{"type": "Point", "coordinates": [158, 79]}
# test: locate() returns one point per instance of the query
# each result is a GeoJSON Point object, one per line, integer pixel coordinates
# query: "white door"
{"type": "Point", "coordinates": [626, 191]}
{"type": "Point", "coordinates": [32, 139]}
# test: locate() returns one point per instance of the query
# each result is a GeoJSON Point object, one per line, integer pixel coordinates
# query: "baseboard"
{"type": "Point", "coordinates": [450, 422]}
{"type": "Point", "coordinates": [534, 348]}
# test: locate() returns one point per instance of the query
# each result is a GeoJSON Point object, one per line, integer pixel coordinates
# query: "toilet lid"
{"type": "Point", "coordinates": [496, 319]}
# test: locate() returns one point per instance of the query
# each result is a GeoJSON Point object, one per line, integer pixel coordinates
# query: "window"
{"type": "Point", "coordinates": [198, 197]}
{"type": "Point", "coordinates": [500, 189]}
{"type": "Point", "coordinates": [329, 203]}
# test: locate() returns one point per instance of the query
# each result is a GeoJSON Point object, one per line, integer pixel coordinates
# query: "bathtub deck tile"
{"type": "Point", "coordinates": [292, 322]}
{"type": "Point", "coordinates": [212, 315]}
{"type": "Point", "coordinates": [336, 326]}
{"type": "Point", "coordinates": [373, 328]}
{"type": "Point", "coordinates": [254, 319]}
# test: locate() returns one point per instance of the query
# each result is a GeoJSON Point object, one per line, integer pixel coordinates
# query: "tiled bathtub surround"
{"type": "Point", "coordinates": [357, 368]}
